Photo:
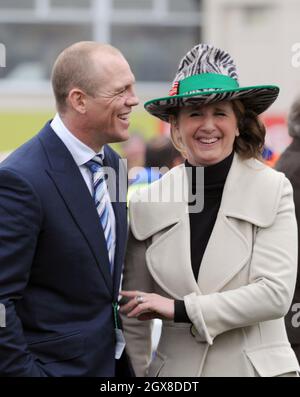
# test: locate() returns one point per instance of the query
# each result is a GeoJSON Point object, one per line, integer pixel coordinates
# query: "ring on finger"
{"type": "Point", "coordinates": [140, 299]}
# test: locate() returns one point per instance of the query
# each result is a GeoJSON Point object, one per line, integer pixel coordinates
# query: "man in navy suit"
{"type": "Point", "coordinates": [60, 269]}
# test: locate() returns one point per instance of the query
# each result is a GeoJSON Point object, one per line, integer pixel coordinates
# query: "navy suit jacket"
{"type": "Point", "coordinates": [55, 281]}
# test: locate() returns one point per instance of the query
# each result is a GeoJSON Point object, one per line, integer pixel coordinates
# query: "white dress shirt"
{"type": "Point", "coordinates": [81, 154]}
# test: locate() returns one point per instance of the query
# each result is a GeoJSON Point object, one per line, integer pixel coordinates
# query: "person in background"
{"type": "Point", "coordinates": [133, 150]}
{"type": "Point", "coordinates": [221, 278]}
{"type": "Point", "coordinates": [62, 233]}
{"type": "Point", "coordinates": [160, 157]}
{"type": "Point", "coordinates": [269, 156]}
{"type": "Point", "coordinates": [289, 163]}
{"type": "Point", "coordinates": [161, 153]}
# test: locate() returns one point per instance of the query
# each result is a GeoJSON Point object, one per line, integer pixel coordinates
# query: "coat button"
{"type": "Point", "coordinates": [193, 331]}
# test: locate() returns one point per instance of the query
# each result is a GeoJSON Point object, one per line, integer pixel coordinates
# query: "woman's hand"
{"type": "Point", "coordinates": [146, 306]}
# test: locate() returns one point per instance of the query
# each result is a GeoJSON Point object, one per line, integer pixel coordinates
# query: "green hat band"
{"type": "Point", "coordinates": [206, 81]}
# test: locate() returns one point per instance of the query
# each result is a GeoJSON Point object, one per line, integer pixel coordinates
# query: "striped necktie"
{"type": "Point", "coordinates": [100, 195]}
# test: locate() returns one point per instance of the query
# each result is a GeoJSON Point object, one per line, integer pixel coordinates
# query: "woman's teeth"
{"type": "Point", "coordinates": [208, 140]}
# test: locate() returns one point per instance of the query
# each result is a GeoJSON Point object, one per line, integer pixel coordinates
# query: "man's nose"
{"type": "Point", "coordinates": [132, 99]}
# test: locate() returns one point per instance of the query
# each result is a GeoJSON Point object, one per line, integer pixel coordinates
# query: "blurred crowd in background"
{"type": "Point", "coordinates": [151, 34]}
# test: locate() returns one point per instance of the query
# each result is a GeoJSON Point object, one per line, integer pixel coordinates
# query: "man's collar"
{"type": "Point", "coordinates": [80, 151]}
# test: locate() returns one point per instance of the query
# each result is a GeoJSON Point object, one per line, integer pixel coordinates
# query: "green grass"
{"type": "Point", "coordinates": [17, 127]}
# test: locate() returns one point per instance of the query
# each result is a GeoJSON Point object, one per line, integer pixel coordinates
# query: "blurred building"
{"type": "Point", "coordinates": [262, 35]}
{"type": "Point", "coordinates": [151, 33]}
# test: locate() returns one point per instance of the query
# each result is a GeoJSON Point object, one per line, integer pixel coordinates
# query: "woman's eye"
{"type": "Point", "coordinates": [195, 114]}
{"type": "Point", "coordinates": [221, 114]}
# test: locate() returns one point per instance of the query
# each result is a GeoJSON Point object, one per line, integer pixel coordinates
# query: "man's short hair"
{"type": "Point", "coordinates": [75, 67]}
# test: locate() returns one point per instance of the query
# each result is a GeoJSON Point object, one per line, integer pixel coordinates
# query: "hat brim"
{"type": "Point", "coordinates": [256, 98]}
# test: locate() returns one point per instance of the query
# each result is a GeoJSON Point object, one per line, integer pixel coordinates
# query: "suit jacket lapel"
{"type": "Point", "coordinates": [118, 198]}
{"type": "Point", "coordinates": [73, 190]}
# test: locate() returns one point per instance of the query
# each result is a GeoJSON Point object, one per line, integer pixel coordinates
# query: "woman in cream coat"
{"type": "Point", "coordinates": [233, 309]}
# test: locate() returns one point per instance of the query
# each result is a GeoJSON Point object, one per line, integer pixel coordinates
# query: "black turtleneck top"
{"type": "Point", "coordinates": [202, 223]}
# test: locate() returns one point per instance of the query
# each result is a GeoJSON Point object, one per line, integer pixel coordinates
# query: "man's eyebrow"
{"type": "Point", "coordinates": [125, 86]}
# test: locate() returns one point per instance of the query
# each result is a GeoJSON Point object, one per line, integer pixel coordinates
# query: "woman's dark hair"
{"type": "Point", "coordinates": [251, 140]}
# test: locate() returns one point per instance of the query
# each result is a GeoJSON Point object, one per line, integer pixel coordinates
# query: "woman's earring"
{"type": "Point", "coordinates": [237, 133]}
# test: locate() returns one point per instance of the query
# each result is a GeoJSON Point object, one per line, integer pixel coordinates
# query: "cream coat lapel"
{"type": "Point", "coordinates": [248, 196]}
{"type": "Point", "coordinates": [168, 257]}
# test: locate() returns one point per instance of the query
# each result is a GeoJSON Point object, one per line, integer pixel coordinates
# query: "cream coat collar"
{"type": "Point", "coordinates": [251, 193]}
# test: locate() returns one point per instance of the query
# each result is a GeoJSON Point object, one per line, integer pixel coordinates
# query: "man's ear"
{"type": "Point", "coordinates": [77, 100]}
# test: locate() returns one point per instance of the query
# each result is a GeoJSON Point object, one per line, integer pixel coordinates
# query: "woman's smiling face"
{"type": "Point", "coordinates": [206, 133]}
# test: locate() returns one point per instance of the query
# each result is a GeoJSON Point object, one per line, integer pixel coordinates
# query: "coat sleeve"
{"type": "Point", "coordinates": [271, 285]}
{"type": "Point", "coordinates": [20, 218]}
{"type": "Point", "coordinates": [137, 333]}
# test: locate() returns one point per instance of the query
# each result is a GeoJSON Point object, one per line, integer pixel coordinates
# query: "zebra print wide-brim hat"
{"type": "Point", "coordinates": [207, 74]}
